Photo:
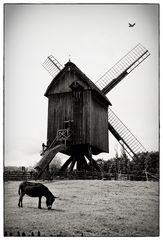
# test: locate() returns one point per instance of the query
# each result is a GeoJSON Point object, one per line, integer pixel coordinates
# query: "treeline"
{"type": "Point", "coordinates": [143, 166]}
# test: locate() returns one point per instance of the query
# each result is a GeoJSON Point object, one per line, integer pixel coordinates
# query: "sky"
{"type": "Point", "coordinates": [95, 37]}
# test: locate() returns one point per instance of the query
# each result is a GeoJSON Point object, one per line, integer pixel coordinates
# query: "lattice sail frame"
{"type": "Point", "coordinates": [52, 65]}
{"type": "Point", "coordinates": [124, 135]}
{"type": "Point", "coordinates": [122, 68]}
{"type": "Point", "coordinates": [108, 81]}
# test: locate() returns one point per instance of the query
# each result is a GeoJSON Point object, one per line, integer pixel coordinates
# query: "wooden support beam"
{"type": "Point", "coordinates": [81, 163]}
{"type": "Point", "coordinates": [93, 164]}
{"type": "Point", "coordinates": [47, 158]}
{"type": "Point", "coordinates": [65, 165]}
{"type": "Point", "coordinates": [79, 159]}
{"type": "Point", "coordinates": [96, 166]}
{"type": "Point", "coordinates": [72, 164]}
{"type": "Point", "coordinates": [89, 156]}
{"type": "Point", "coordinates": [87, 167]}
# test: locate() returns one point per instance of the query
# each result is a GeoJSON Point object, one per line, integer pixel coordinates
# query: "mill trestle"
{"type": "Point", "coordinates": [47, 158]}
{"type": "Point", "coordinates": [60, 143]}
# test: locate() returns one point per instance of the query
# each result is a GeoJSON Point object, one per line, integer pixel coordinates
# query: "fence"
{"type": "Point", "coordinates": [31, 175]}
{"type": "Point", "coordinates": [25, 176]}
{"type": "Point", "coordinates": [19, 176]}
{"type": "Point", "coordinates": [21, 234]}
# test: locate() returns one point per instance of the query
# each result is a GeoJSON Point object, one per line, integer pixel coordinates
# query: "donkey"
{"type": "Point", "coordinates": [33, 189]}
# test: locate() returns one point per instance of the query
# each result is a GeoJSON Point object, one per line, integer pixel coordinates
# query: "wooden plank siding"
{"type": "Point", "coordinates": [87, 117]}
{"type": "Point", "coordinates": [78, 124]}
{"type": "Point", "coordinates": [60, 109]}
{"type": "Point", "coordinates": [81, 117]}
{"type": "Point", "coordinates": [99, 124]}
{"type": "Point", "coordinates": [72, 96]}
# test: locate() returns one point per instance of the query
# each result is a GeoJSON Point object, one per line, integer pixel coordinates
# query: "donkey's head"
{"type": "Point", "coordinates": [49, 200]}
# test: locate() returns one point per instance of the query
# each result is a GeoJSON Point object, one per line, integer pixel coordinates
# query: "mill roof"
{"type": "Point", "coordinates": [72, 66]}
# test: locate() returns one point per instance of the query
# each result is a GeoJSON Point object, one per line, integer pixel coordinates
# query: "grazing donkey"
{"type": "Point", "coordinates": [33, 189]}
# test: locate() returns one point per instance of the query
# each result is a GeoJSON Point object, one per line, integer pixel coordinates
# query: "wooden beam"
{"type": "Point", "coordinates": [87, 167]}
{"type": "Point", "coordinates": [89, 156]}
{"type": "Point", "coordinates": [72, 163]}
{"type": "Point", "coordinates": [65, 165]}
{"type": "Point", "coordinates": [96, 166]}
{"type": "Point", "coordinates": [79, 159]}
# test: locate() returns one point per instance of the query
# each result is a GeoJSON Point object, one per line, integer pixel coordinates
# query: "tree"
{"type": "Point", "coordinates": [148, 161]}
{"type": "Point", "coordinates": [143, 165]}
{"type": "Point", "coordinates": [152, 164]}
{"type": "Point", "coordinates": [55, 165]}
{"type": "Point", "coordinates": [124, 162]}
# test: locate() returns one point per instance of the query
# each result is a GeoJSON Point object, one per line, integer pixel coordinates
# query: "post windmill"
{"type": "Point", "coordinates": [79, 114]}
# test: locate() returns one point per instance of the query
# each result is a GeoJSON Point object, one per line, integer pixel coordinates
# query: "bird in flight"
{"type": "Point", "coordinates": [131, 25]}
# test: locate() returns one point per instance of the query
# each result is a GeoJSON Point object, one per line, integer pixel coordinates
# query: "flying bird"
{"type": "Point", "coordinates": [131, 25]}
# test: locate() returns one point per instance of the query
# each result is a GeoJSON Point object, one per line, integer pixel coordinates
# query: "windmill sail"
{"type": "Point", "coordinates": [122, 68]}
{"type": "Point", "coordinates": [123, 135]}
{"type": "Point", "coordinates": [107, 82]}
{"type": "Point", "coordinates": [52, 65]}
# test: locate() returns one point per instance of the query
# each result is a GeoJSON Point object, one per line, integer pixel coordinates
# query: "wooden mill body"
{"type": "Point", "coordinates": [72, 96]}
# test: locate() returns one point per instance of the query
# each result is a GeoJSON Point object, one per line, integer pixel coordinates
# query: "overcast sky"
{"type": "Point", "coordinates": [96, 37]}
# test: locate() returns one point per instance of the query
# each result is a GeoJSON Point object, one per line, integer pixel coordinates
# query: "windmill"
{"type": "Point", "coordinates": [80, 129]}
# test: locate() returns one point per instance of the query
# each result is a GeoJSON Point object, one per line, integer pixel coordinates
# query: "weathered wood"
{"type": "Point", "coordinates": [72, 163]}
{"type": "Point", "coordinates": [81, 163]}
{"type": "Point", "coordinates": [72, 96]}
{"type": "Point", "coordinates": [99, 124]}
{"type": "Point", "coordinates": [89, 156]}
{"type": "Point", "coordinates": [66, 164]}
{"type": "Point", "coordinates": [86, 166]}
{"type": "Point", "coordinates": [77, 93]}
{"type": "Point", "coordinates": [60, 109]}
{"type": "Point", "coordinates": [47, 158]}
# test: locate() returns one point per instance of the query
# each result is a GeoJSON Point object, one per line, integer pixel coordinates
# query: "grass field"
{"type": "Point", "coordinates": [86, 208]}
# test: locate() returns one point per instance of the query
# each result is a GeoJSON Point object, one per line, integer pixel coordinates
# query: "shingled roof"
{"type": "Point", "coordinates": [90, 84]}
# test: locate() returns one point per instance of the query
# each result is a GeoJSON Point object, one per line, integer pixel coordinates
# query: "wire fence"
{"type": "Point", "coordinates": [19, 176]}
{"type": "Point", "coordinates": [75, 175]}
{"type": "Point", "coordinates": [22, 234]}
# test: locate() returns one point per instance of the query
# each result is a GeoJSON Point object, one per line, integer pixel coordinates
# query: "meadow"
{"type": "Point", "coordinates": [88, 208]}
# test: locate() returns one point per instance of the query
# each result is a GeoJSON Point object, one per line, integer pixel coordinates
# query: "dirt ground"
{"type": "Point", "coordinates": [86, 208]}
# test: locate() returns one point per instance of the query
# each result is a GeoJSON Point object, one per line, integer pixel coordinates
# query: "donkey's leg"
{"type": "Point", "coordinates": [39, 203]}
{"type": "Point", "coordinates": [19, 200]}
{"type": "Point", "coordinates": [20, 203]}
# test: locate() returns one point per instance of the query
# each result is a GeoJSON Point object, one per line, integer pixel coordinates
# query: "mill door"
{"type": "Point", "coordinates": [77, 96]}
